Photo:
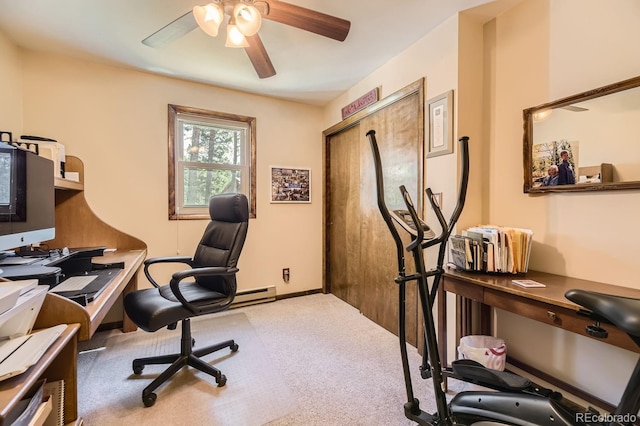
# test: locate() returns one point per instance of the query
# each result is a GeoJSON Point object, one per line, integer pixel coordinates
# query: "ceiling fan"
{"type": "Point", "coordinates": [244, 20]}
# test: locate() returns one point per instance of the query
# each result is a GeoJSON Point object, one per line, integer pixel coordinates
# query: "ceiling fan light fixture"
{"type": "Point", "coordinates": [209, 17]}
{"type": "Point", "coordinates": [247, 18]}
{"type": "Point", "coordinates": [234, 37]}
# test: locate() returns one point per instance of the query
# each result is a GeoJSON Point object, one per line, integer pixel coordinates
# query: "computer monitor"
{"type": "Point", "coordinates": [27, 198]}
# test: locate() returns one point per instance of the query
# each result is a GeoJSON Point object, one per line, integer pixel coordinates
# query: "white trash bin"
{"type": "Point", "coordinates": [487, 350]}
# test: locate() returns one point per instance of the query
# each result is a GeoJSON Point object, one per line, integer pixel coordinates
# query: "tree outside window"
{"type": "Point", "coordinates": [210, 153]}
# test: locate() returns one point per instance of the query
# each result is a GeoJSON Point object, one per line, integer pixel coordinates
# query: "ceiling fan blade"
{"type": "Point", "coordinates": [172, 31]}
{"type": "Point", "coordinates": [307, 19]}
{"type": "Point", "coordinates": [259, 57]}
{"type": "Point", "coordinates": [574, 108]}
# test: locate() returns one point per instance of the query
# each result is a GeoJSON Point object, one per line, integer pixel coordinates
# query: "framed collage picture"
{"type": "Point", "coordinates": [290, 185]}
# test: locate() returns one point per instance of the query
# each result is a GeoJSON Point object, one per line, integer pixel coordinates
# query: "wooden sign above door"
{"type": "Point", "coordinates": [362, 102]}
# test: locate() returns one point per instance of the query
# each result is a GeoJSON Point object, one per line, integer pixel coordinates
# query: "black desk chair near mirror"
{"type": "Point", "coordinates": [208, 286]}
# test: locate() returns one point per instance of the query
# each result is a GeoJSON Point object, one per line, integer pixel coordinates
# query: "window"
{"type": "Point", "coordinates": [209, 153]}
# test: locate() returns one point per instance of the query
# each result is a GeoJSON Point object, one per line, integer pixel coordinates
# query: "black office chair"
{"type": "Point", "coordinates": [208, 286]}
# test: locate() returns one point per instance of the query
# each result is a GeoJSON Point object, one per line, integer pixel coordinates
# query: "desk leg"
{"type": "Point", "coordinates": [464, 322]}
{"type": "Point", "coordinates": [474, 318]}
{"type": "Point", "coordinates": [486, 320]}
{"type": "Point", "coordinates": [65, 367]}
{"type": "Point", "coordinates": [465, 317]}
{"type": "Point", "coordinates": [127, 324]}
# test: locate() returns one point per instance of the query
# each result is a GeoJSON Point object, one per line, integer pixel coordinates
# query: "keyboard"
{"type": "Point", "coordinates": [74, 283]}
{"type": "Point", "coordinates": [85, 288]}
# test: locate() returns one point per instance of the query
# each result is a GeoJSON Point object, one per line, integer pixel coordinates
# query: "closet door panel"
{"type": "Point", "coordinates": [344, 218]}
{"type": "Point", "coordinates": [399, 139]}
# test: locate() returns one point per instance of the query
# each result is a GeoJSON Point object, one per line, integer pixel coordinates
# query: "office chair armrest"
{"type": "Point", "coordinates": [168, 259]}
{"type": "Point", "coordinates": [197, 272]}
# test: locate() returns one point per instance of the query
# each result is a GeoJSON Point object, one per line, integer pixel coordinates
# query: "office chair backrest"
{"type": "Point", "coordinates": [223, 239]}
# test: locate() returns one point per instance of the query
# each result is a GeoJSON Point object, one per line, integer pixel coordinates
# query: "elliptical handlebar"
{"type": "Point", "coordinates": [382, 206]}
{"type": "Point", "coordinates": [436, 209]}
{"type": "Point", "coordinates": [464, 181]}
{"type": "Point", "coordinates": [414, 217]}
{"type": "Point", "coordinates": [462, 195]}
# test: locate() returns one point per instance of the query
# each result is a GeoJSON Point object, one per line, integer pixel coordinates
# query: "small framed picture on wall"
{"type": "Point", "coordinates": [440, 124]}
{"type": "Point", "coordinates": [290, 185]}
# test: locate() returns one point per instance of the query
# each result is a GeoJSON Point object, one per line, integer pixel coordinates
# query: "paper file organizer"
{"type": "Point", "coordinates": [492, 249]}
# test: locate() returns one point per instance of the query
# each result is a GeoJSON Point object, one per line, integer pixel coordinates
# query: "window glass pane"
{"type": "Point", "coordinates": [202, 183]}
{"type": "Point", "coordinates": [212, 144]}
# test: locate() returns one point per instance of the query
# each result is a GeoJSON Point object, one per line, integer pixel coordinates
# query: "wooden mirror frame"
{"type": "Point", "coordinates": [528, 140]}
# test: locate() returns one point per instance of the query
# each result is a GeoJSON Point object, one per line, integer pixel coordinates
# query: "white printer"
{"type": "Point", "coordinates": [48, 148]}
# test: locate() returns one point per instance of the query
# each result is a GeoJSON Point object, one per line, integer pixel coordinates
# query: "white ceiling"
{"type": "Point", "coordinates": [310, 68]}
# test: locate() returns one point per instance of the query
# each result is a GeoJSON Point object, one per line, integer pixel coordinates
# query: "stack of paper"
{"type": "Point", "coordinates": [490, 248]}
{"type": "Point", "coordinates": [8, 297]}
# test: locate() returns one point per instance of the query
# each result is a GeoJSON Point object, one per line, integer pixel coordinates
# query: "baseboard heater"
{"type": "Point", "coordinates": [254, 296]}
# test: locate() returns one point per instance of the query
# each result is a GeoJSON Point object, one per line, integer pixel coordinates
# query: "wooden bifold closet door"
{"type": "Point", "coordinates": [360, 253]}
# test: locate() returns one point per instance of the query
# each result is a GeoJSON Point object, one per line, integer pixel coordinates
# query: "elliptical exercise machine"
{"type": "Point", "coordinates": [518, 400]}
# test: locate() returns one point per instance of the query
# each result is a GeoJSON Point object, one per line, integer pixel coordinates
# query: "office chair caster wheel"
{"type": "Point", "coordinates": [221, 381]}
{"type": "Point", "coordinates": [137, 369]}
{"type": "Point", "coordinates": [149, 400]}
{"type": "Point", "coordinates": [234, 347]}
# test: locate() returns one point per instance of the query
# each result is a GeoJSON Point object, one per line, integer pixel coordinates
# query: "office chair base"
{"type": "Point", "coordinates": [186, 357]}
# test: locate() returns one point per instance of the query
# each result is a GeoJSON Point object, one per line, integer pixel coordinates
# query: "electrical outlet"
{"type": "Point", "coordinates": [285, 275]}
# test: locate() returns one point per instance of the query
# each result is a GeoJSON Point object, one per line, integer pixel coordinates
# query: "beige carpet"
{"type": "Point", "coordinates": [303, 361]}
{"type": "Point", "coordinates": [255, 392]}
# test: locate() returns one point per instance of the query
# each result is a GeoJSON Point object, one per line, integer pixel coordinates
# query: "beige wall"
{"type": "Point", "coordinates": [10, 87]}
{"type": "Point", "coordinates": [546, 50]}
{"type": "Point", "coordinates": [115, 120]}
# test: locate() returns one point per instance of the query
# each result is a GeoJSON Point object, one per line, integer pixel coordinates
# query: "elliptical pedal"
{"type": "Point", "coordinates": [473, 371]}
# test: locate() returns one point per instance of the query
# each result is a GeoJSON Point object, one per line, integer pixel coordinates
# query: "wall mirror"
{"type": "Point", "coordinates": [600, 132]}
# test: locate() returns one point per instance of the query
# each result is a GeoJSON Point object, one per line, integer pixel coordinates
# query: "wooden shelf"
{"type": "Point", "coordinates": [59, 362]}
{"type": "Point", "coordinates": [66, 184]}
{"type": "Point", "coordinates": [72, 164]}
{"type": "Point", "coordinates": [602, 173]}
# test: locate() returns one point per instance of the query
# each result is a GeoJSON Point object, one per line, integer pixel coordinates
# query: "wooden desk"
{"type": "Point", "coordinates": [57, 363]}
{"type": "Point", "coordinates": [547, 305]}
{"type": "Point", "coordinates": [78, 226]}
{"type": "Point", "coordinates": [57, 309]}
